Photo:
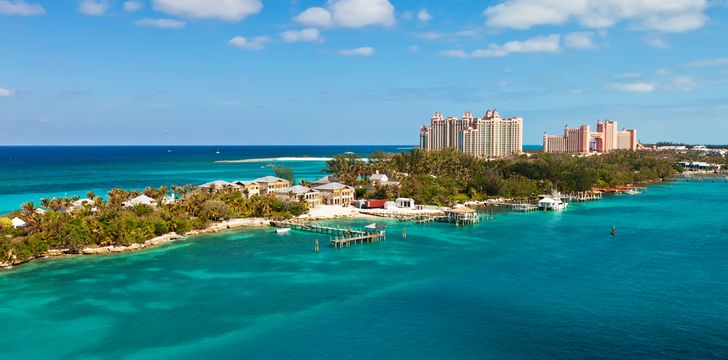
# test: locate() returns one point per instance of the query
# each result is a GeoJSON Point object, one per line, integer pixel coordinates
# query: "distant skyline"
{"type": "Point", "coordinates": [267, 72]}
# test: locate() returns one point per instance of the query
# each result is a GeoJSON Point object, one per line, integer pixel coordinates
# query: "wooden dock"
{"type": "Point", "coordinates": [343, 237]}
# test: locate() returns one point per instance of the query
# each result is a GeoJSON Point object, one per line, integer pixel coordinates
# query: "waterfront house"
{"type": "Point", "coordinates": [312, 197]}
{"type": "Point", "coordinates": [249, 188]}
{"type": "Point", "coordinates": [217, 185]}
{"type": "Point", "coordinates": [405, 203]}
{"type": "Point", "coordinates": [324, 180]}
{"type": "Point", "coordinates": [336, 193]}
{"type": "Point", "coordinates": [699, 166]}
{"type": "Point", "coordinates": [461, 214]}
{"type": "Point", "coordinates": [269, 184]}
{"type": "Point", "coordinates": [140, 200]}
{"type": "Point", "coordinates": [18, 223]}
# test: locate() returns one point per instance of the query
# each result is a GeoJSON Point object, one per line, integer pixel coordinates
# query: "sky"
{"type": "Point", "coordinates": [272, 72]}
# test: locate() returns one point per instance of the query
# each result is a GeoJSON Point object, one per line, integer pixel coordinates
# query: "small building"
{"type": "Point", "coordinates": [82, 203]}
{"type": "Point", "coordinates": [378, 178]}
{"type": "Point", "coordinates": [390, 205]}
{"type": "Point", "coordinates": [324, 180]}
{"type": "Point", "coordinates": [300, 193]}
{"type": "Point", "coordinates": [140, 200]}
{"type": "Point", "coordinates": [269, 184]}
{"type": "Point", "coordinates": [39, 211]}
{"type": "Point", "coordinates": [375, 204]}
{"type": "Point", "coordinates": [336, 194]}
{"type": "Point", "coordinates": [699, 166]}
{"type": "Point", "coordinates": [18, 223]}
{"type": "Point", "coordinates": [249, 188]}
{"type": "Point", "coordinates": [217, 185]}
{"type": "Point", "coordinates": [405, 203]}
{"type": "Point", "coordinates": [462, 215]}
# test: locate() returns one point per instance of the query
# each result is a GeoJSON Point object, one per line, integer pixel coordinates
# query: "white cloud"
{"type": "Point", "coordinates": [660, 15]}
{"type": "Point", "coordinates": [361, 51]}
{"type": "Point", "coordinates": [641, 87]}
{"type": "Point", "coordinates": [227, 10]}
{"type": "Point", "coordinates": [656, 41]}
{"type": "Point", "coordinates": [20, 8]}
{"type": "Point", "coordinates": [440, 35]}
{"type": "Point", "coordinates": [461, 54]}
{"type": "Point", "coordinates": [7, 92]}
{"type": "Point", "coordinates": [315, 16]}
{"type": "Point", "coordinates": [93, 7]}
{"type": "Point", "coordinates": [547, 44]}
{"type": "Point", "coordinates": [349, 13]}
{"type": "Point", "coordinates": [683, 83]}
{"type": "Point", "coordinates": [255, 43]}
{"type": "Point", "coordinates": [424, 15]}
{"type": "Point", "coordinates": [307, 35]}
{"type": "Point", "coordinates": [579, 40]}
{"type": "Point", "coordinates": [710, 62]}
{"type": "Point", "coordinates": [162, 23]}
{"type": "Point", "coordinates": [132, 6]}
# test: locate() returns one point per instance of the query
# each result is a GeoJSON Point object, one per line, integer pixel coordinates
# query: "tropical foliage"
{"type": "Point", "coordinates": [107, 222]}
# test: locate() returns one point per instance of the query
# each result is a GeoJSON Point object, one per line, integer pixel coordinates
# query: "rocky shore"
{"type": "Point", "coordinates": [159, 240]}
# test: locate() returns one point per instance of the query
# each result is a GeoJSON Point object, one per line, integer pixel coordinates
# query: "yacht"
{"type": "Point", "coordinates": [552, 202]}
{"type": "Point", "coordinates": [282, 230]}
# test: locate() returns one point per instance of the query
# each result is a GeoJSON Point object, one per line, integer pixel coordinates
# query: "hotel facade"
{"type": "Point", "coordinates": [488, 137]}
{"type": "Point", "coordinates": [582, 140]}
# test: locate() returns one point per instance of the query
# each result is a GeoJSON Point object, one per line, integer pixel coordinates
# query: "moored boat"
{"type": "Point", "coordinates": [282, 230]}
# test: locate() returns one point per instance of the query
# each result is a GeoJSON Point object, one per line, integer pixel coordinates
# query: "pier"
{"type": "Point", "coordinates": [343, 237]}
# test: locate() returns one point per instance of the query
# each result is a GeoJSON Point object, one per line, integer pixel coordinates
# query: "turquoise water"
{"type": "Point", "coordinates": [524, 286]}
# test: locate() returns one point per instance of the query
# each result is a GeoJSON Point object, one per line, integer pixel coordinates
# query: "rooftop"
{"type": "Point", "coordinates": [333, 186]}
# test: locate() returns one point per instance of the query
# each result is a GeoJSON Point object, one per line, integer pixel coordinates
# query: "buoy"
{"type": "Point", "coordinates": [614, 231]}
{"type": "Point", "coordinates": [316, 247]}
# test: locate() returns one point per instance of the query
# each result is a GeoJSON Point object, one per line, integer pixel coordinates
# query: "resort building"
{"type": "Point", "coordinates": [488, 137]}
{"type": "Point", "coordinates": [312, 197]}
{"type": "Point", "coordinates": [324, 180]}
{"type": "Point", "coordinates": [216, 185]}
{"type": "Point", "coordinates": [249, 188]}
{"type": "Point", "coordinates": [582, 140]}
{"type": "Point", "coordinates": [269, 184]}
{"type": "Point", "coordinates": [404, 203]}
{"type": "Point", "coordinates": [336, 194]}
{"type": "Point", "coordinates": [140, 200]}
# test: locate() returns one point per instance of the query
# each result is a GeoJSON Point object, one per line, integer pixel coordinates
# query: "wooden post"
{"type": "Point", "coordinates": [404, 232]}
{"type": "Point", "coordinates": [316, 247]}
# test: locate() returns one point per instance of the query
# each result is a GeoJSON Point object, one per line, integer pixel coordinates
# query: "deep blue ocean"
{"type": "Point", "coordinates": [523, 286]}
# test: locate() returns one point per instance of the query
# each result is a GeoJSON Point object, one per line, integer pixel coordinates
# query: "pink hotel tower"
{"type": "Point", "coordinates": [583, 141]}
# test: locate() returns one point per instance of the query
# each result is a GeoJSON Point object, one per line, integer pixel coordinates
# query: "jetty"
{"type": "Point", "coordinates": [342, 237]}
{"type": "Point", "coordinates": [583, 196]}
{"type": "Point", "coordinates": [524, 207]}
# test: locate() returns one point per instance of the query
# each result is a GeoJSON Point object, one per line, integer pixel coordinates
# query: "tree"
{"type": "Point", "coordinates": [285, 172]}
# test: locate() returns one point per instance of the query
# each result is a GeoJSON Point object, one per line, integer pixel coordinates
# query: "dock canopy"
{"type": "Point", "coordinates": [375, 226]}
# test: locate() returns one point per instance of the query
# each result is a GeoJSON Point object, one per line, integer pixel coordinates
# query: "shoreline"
{"type": "Point", "coordinates": [343, 213]}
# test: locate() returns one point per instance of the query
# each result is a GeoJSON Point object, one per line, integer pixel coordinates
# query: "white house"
{"type": "Point", "coordinates": [378, 178]}
{"type": "Point", "coordinates": [405, 203]}
{"type": "Point", "coordinates": [140, 200]}
{"type": "Point", "coordinates": [18, 223]}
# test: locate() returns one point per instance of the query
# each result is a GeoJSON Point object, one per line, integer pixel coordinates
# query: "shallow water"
{"type": "Point", "coordinates": [536, 285]}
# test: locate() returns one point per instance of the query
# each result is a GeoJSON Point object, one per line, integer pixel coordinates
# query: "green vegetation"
{"type": "Point", "coordinates": [285, 172]}
{"type": "Point", "coordinates": [107, 222]}
{"type": "Point", "coordinates": [448, 176]}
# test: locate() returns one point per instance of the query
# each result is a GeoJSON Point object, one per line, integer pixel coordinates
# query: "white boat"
{"type": "Point", "coordinates": [282, 230]}
{"type": "Point", "coordinates": [633, 192]}
{"type": "Point", "coordinates": [552, 203]}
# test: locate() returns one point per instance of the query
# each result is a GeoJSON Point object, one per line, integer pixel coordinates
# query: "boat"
{"type": "Point", "coordinates": [633, 191]}
{"type": "Point", "coordinates": [218, 151]}
{"type": "Point", "coordinates": [282, 230]}
{"type": "Point", "coordinates": [552, 202]}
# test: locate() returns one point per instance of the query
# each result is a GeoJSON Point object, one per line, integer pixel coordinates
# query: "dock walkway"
{"type": "Point", "coordinates": [343, 237]}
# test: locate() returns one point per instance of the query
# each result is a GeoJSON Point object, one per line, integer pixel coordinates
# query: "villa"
{"type": "Point", "coordinates": [249, 188]}
{"type": "Point", "coordinates": [312, 197]}
{"type": "Point", "coordinates": [140, 200]}
{"type": "Point", "coordinates": [324, 180]}
{"type": "Point", "coordinates": [269, 184]}
{"type": "Point", "coordinates": [336, 194]}
{"type": "Point", "coordinates": [217, 184]}
{"type": "Point", "coordinates": [381, 180]}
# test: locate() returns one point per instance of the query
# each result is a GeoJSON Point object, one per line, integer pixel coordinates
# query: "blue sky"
{"type": "Point", "coordinates": [355, 71]}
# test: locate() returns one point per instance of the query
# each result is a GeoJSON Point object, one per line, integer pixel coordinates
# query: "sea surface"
{"type": "Point", "coordinates": [523, 286]}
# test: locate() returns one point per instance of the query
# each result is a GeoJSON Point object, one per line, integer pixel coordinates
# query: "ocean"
{"type": "Point", "coordinates": [534, 285]}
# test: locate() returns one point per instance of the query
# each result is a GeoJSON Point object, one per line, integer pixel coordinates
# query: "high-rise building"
{"type": "Point", "coordinates": [583, 141]}
{"type": "Point", "coordinates": [490, 136]}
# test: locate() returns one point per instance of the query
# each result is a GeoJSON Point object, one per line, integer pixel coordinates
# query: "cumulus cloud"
{"type": "Point", "coordinates": [360, 51]}
{"type": "Point", "coordinates": [132, 6]}
{"type": "Point", "coordinates": [162, 23]}
{"type": "Point", "coordinates": [579, 40]}
{"type": "Point", "coordinates": [7, 92]}
{"type": "Point", "coordinates": [93, 7]}
{"type": "Point", "coordinates": [315, 16]}
{"type": "Point", "coordinates": [349, 13]}
{"type": "Point", "coordinates": [710, 62]}
{"type": "Point", "coordinates": [641, 87]}
{"type": "Point", "coordinates": [227, 10]}
{"type": "Point", "coordinates": [461, 54]}
{"type": "Point", "coordinates": [255, 43]}
{"type": "Point", "coordinates": [656, 41]}
{"type": "Point", "coordinates": [424, 15]}
{"type": "Point", "coordinates": [442, 35]}
{"type": "Point", "coordinates": [545, 44]}
{"type": "Point", "coordinates": [20, 8]}
{"type": "Point", "coordinates": [305, 35]}
{"type": "Point", "coordinates": [660, 15]}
